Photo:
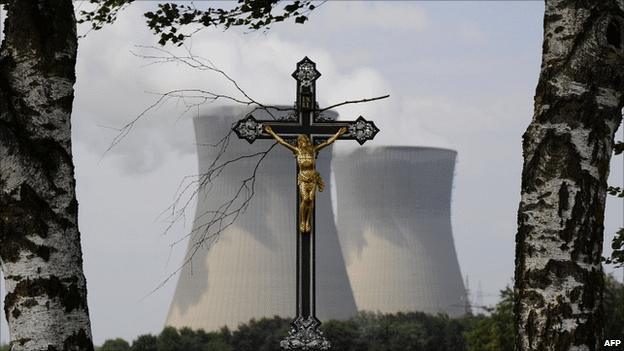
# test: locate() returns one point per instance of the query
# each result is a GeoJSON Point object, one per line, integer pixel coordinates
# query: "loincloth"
{"type": "Point", "coordinates": [311, 177]}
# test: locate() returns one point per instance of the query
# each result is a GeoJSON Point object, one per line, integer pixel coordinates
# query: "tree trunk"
{"type": "Point", "coordinates": [46, 302]}
{"type": "Point", "coordinates": [567, 150]}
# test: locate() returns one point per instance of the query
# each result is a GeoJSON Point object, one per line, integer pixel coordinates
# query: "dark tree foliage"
{"type": "Point", "coordinates": [613, 306]}
{"type": "Point", "coordinates": [617, 256]}
{"type": "Point", "coordinates": [366, 332]}
{"type": "Point", "coordinates": [344, 335]}
{"type": "Point", "coordinates": [174, 22]}
{"type": "Point", "coordinates": [190, 340]}
{"type": "Point", "coordinates": [115, 345]}
{"type": "Point", "coordinates": [412, 331]}
{"type": "Point", "coordinates": [495, 332]}
{"type": "Point", "coordinates": [261, 335]}
{"type": "Point", "coordinates": [169, 340]}
{"type": "Point", "coordinates": [618, 149]}
{"type": "Point", "coordinates": [145, 343]}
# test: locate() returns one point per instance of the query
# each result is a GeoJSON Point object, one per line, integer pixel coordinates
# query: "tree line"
{"type": "Point", "coordinates": [413, 331]}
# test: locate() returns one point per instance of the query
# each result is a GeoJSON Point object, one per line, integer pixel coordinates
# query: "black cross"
{"type": "Point", "coordinates": [307, 120]}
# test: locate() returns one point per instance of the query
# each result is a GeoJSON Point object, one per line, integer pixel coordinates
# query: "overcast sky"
{"type": "Point", "coordinates": [461, 75]}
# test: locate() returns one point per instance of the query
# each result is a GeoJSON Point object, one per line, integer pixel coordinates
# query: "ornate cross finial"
{"type": "Point", "coordinates": [362, 130]}
{"type": "Point", "coordinates": [306, 72]}
{"type": "Point", "coordinates": [248, 128]}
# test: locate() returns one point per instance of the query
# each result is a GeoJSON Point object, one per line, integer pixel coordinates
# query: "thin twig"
{"type": "Point", "coordinates": [219, 219]}
{"type": "Point", "coordinates": [223, 218]}
{"type": "Point", "coordinates": [354, 102]}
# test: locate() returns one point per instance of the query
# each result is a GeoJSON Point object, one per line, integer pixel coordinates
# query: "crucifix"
{"type": "Point", "coordinates": [305, 133]}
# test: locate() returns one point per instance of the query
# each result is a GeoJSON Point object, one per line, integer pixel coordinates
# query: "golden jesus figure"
{"type": "Point", "coordinates": [308, 178]}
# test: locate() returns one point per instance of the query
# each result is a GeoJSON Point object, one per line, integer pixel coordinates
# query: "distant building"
{"type": "Point", "coordinates": [394, 224]}
{"type": "Point", "coordinates": [250, 271]}
{"type": "Point", "coordinates": [394, 230]}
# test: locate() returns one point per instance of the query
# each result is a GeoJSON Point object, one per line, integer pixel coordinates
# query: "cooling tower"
{"type": "Point", "coordinates": [250, 271]}
{"type": "Point", "coordinates": [393, 207]}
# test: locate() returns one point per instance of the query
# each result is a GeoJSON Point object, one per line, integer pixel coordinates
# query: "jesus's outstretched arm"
{"type": "Point", "coordinates": [333, 138]}
{"type": "Point", "coordinates": [279, 139]}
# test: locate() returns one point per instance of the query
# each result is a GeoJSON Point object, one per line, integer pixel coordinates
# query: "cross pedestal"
{"type": "Point", "coordinates": [309, 122]}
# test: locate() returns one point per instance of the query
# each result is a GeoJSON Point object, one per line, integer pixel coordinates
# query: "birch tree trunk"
{"type": "Point", "coordinates": [46, 304]}
{"type": "Point", "coordinates": [567, 149]}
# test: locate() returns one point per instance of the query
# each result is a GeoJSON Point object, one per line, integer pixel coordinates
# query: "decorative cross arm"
{"type": "Point", "coordinates": [360, 130]}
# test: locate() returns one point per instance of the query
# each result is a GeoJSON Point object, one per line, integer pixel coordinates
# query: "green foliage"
{"type": "Point", "coordinates": [145, 343]}
{"type": "Point", "coordinates": [105, 12]}
{"type": "Point", "coordinates": [615, 191]}
{"type": "Point", "coordinates": [496, 332]}
{"type": "Point", "coordinates": [617, 256]}
{"type": "Point", "coordinates": [170, 19]}
{"type": "Point", "coordinates": [412, 331]}
{"type": "Point", "coordinates": [613, 306]}
{"type": "Point", "coordinates": [217, 345]}
{"type": "Point", "coordinates": [406, 331]}
{"type": "Point", "coordinates": [115, 345]}
{"type": "Point", "coordinates": [184, 339]}
{"type": "Point", "coordinates": [252, 14]}
{"type": "Point", "coordinates": [169, 340]}
{"type": "Point", "coordinates": [344, 335]}
{"type": "Point", "coordinates": [262, 335]}
{"type": "Point", "coordinates": [4, 347]}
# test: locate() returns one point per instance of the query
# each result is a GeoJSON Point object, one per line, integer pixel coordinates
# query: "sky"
{"type": "Point", "coordinates": [460, 75]}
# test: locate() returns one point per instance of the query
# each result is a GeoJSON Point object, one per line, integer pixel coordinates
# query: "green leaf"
{"type": "Point", "coordinates": [292, 7]}
{"type": "Point", "coordinates": [617, 256]}
{"type": "Point", "coordinates": [170, 20]}
{"type": "Point", "coordinates": [615, 191]}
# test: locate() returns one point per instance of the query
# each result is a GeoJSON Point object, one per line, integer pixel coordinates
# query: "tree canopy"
{"type": "Point", "coordinates": [115, 345]}
{"type": "Point", "coordinates": [174, 22]}
{"type": "Point", "coordinates": [379, 332]}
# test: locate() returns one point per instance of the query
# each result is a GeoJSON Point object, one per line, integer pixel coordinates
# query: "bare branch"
{"type": "Point", "coordinates": [354, 102]}
{"type": "Point", "coordinates": [209, 225]}
{"type": "Point", "coordinates": [222, 218]}
{"type": "Point", "coordinates": [198, 96]}
{"type": "Point", "coordinates": [202, 64]}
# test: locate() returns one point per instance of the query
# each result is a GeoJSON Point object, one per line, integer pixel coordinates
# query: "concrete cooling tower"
{"type": "Point", "coordinates": [250, 271]}
{"type": "Point", "coordinates": [393, 207]}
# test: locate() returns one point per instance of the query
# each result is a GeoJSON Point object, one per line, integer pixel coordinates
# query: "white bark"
{"type": "Point", "coordinates": [567, 149]}
{"type": "Point", "coordinates": [39, 239]}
